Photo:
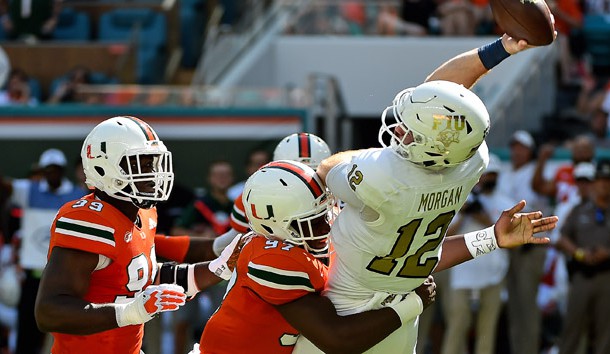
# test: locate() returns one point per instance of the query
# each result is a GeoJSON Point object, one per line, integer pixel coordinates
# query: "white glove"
{"type": "Point", "coordinates": [409, 307]}
{"type": "Point", "coordinates": [406, 306]}
{"type": "Point", "coordinates": [153, 300]}
{"type": "Point", "coordinates": [219, 266]}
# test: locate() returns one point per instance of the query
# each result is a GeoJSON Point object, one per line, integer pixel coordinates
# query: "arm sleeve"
{"type": "Point", "coordinates": [337, 182]}
{"type": "Point", "coordinates": [85, 231]}
{"type": "Point", "coordinates": [238, 220]}
{"type": "Point", "coordinates": [172, 248]}
{"type": "Point", "coordinates": [279, 279]}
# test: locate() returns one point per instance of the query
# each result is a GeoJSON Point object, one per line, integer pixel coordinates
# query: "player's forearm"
{"type": "Point", "coordinates": [358, 332]}
{"type": "Point", "coordinates": [454, 253]}
{"type": "Point", "coordinates": [316, 318]}
{"type": "Point", "coordinates": [465, 69]}
{"type": "Point", "coordinates": [65, 314]}
{"type": "Point", "coordinates": [200, 250]}
{"type": "Point", "coordinates": [204, 277]}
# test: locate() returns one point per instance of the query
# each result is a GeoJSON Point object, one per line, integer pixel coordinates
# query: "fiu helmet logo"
{"type": "Point", "coordinates": [449, 126]}
{"type": "Point", "coordinates": [255, 213]}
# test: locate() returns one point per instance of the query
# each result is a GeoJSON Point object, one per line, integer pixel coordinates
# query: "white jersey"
{"type": "Point", "coordinates": [398, 250]}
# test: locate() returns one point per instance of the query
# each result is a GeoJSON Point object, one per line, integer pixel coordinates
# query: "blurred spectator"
{"type": "Point", "coordinates": [568, 23]}
{"type": "Point", "coordinates": [481, 280]}
{"type": "Point", "coordinates": [18, 91]}
{"type": "Point", "coordinates": [413, 18]}
{"type": "Point", "coordinates": [457, 17]}
{"type": "Point", "coordinates": [562, 186]}
{"type": "Point", "coordinates": [30, 19]}
{"type": "Point", "coordinates": [553, 289]}
{"type": "Point", "coordinates": [599, 129]}
{"type": "Point", "coordinates": [389, 23]}
{"type": "Point", "coordinates": [596, 7]}
{"type": "Point", "coordinates": [66, 91]}
{"type": "Point", "coordinates": [526, 263]}
{"type": "Point", "coordinates": [207, 216]}
{"type": "Point", "coordinates": [39, 201]}
{"type": "Point", "coordinates": [585, 240]}
{"type": "Point", "coordinates": [255, 159]}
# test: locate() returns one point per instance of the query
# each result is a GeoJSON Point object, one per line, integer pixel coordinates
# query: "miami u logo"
{"type": "Point", "coordinates": [255, 213]}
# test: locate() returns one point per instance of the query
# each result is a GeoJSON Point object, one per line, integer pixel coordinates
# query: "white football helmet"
{"type": "Point", "coordinates": [303, 147]}
{"type": "Point", "coordinates": [124, 140]}
{"type": "Point", "coordinates": [448, 123]}
{"type": "Point", "coordinates": [286, 200]}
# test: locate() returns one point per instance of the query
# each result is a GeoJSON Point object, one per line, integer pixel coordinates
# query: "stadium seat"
{"type": "Point", "coordinates": [596, 31]}
{"type": "Point", "coordinates": [35, 90]}
{"type": "Point", "coordinates": [72, 26]}
{"type": "Point", "coordinates": [148, 29]}
{"type": "Point", "coordinates": [192, 27]}
{"type": "Point", "coordinates": [97, 78]}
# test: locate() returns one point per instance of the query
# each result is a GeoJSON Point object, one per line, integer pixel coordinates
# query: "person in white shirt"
{"type": "Point", "coordinates": [481, 280]}
{"type": "Point", "coordinates": [526, 263]}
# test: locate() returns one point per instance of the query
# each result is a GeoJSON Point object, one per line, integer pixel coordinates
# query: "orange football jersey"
{"type": "Point", "coordinates": [269, 273]}
{"type": "Point", "coordinates": [239, 220]}
{"type": "Point", "coordinates": [94, 226]}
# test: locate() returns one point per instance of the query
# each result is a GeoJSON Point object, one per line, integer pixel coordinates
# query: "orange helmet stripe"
{"type": "Point", "coordinates": [312, 183]}
{"type": "Point", "coordinates": [146, 129]}
{"type": "Point", "coordinates": [304, 145]}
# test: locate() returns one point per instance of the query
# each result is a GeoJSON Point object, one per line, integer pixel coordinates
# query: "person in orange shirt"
{"type": "Point", "coordinates": [97, 290]}
{"type": "Point", "coordinates": [568, 21]}
{"type": "Point", "coordinates": [273, 294]}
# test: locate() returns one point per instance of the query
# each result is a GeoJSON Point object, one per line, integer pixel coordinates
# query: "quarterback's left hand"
{"type": "Point", "coordinates": [515, 229]}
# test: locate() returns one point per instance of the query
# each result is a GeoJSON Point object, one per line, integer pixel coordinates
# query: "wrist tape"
{"type": "Point", "coordinates": [481, 242]}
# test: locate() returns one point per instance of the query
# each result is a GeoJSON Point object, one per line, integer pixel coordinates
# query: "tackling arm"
{"type": "Point", "coordinates": [315, 317]}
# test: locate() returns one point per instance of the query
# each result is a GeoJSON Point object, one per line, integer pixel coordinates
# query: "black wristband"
{"type": "Point", "coordinates": [166, 273]}
{"type": "Point", "coordinates": [492, 54]}
{"type": "Point", "coordinates": [182, 278]}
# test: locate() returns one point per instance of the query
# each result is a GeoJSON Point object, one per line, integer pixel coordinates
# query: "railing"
{"type": "Point", "coordinates": [192, 96]}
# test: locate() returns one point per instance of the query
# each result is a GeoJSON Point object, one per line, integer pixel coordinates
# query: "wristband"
{"type": "Point", "coordinates": [179, 274]}
{"type": "Point", "coordinates": [409, 308]}
{"type": "Point", "coordinates": [492, 54]}
{"type": "Point", "coordinates": [192, 288]}
{"type": "Point", "coordinates": [481, 242]}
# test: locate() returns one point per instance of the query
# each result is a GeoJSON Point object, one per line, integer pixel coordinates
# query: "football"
{"type": "Point", "coordinates": [524, 19]}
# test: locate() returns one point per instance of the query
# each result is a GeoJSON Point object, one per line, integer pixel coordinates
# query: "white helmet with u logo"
{"type": "Point", "coordinates": [286, 200]}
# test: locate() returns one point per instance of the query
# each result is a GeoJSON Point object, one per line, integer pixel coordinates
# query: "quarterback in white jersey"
{"type": "Point", "coordinates": [400, 199]}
